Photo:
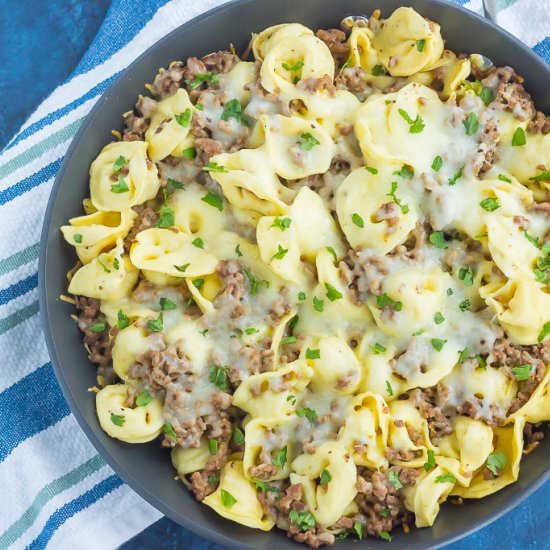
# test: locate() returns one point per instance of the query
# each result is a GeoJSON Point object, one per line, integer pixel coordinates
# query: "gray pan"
{"type": "Point", "coordinates": [147, 468]}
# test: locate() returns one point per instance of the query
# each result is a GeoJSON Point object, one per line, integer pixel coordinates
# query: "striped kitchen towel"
{"type": "Point", "coordinates": [56, 491]}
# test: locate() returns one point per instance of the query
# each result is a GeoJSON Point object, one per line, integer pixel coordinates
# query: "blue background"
{"type": "Point", "coordinates": [42, 41]}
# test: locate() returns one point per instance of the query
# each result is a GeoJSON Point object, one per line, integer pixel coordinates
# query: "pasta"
{"type": "Point", "coordinates": [321, 277]}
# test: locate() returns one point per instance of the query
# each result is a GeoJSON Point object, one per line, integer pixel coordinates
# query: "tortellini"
{"type": "Point", "coordinates": [122, 176]}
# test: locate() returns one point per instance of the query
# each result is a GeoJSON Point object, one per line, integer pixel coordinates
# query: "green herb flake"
{"type": "Point", "coordinates": [119, 164]}
{"type": "Point", "coordinates": [212, 480]}
{"type": "Point", "coordinates": [219, 376]}
{"type": "Point", "coordinates": [456, 177]}
{"type": "Point", "coordinates": [123, 320]}
{"type": "Point", "coordinates": [238, 251]}
{"type": "Point", "coordinates": [118, 419]}
{"type": "Point", "coordinates": [438, 318]}
{"type": "Point", "coordinates": [289, 340]}
{"type": "Point", "coordinates": [415, 126]}
{"type": "Point", "coordinates": [280, 254]}
{"type": "Point", "coordinates": [184, 119]}
{"type": "Point", "coordinates": [404, 207]}
{"type": "Point", "coordinates": [502, 177]}
{"type": "Point", "coordinates": [438, 343]}
{"type": "Point", "coordinates": [97, 327]}
{"type": "Point", "coordinates": [384, 535]}
{"type": "Point", "coordinates": [445, 478]}
{"type": "Point", "coordinates": [383, 300]}
{"type": "Point", "coordinates": [169, 430]}
{"type": "Point", "coordinates": [198, 242]}
{"type": "Point", "coordinates": [519, 139]}
{"type": "Point", "coordinates": [166, 217]}
{"type": "Point", "coordinates": [318, 304]}
{"type": "Point", "coordinates": [293, 322]}
{"type": "Point", "coordinates": [213, 446]}
{"type": "Point", "coordinates": [378, 348]}
{"type": "Point", "coordinates": [332, 293]}
{"type": "Point", "coordinates": [486, 95]}
{"type": "Point", "coordinates": [464, 354]}
{"type": "Point", "coordinates": [238, 436]}
{"type": "Point", "coordinates": [437, 164]}
{"type": "Point", "coordinates": [496, 462]}
{"type": "Point", "coordinates": [437, 238]}
{"type": "Point", "coordinates": [393, 478]}
{"type": "Point", "coordinates": [466, 275]}
{"type": "Point", "coordinates": [325, 477]}
{"type": "Point", "coordinates": [308, 141]}
{"type": "Point", "coordinates": [213, 199]}
{"type": "Point", "coordinates": [120, 187]}
{"type": "Point", "coordinates": [420, 45]}
{"type": "Point", "coordinates": [116, 263]}
{"type": "Point", "coordinates": [304, 520]}
{"type": "Point", "coordinates": [544, 332]}
{"type": "Point", "coordinates": [280, 457]}
{"type": "Point", "coordinates": [358, 528]}
{"type": "Point", "coordinates": [418, 332]}
{"type": "Point", "coordinates": [302, 296]}
{"type": "Point", "coordinates": [202, 78]}
{"type": "Point", "coordinates": [357, 220]}
{"type": "Point", "coordinates": [333, 253]}
{"type": "Point", "coordinates": [203, 332]}
{"type": "Point", "coordinates": [281, 223]}
{"type": "Point", "coordinates": [385, 512]}
{"type": "Point", "coordinates": [471, 124]}
{"type": "Point", "coordinates": [543, 176]}
{"type": "Point", "coordinates": [190, 153]}
{"type": "Point", "coordinates": [182, 268]}
{"type": "Point", "coordinates": [252, 281]}
{"type": "Point", "coordinates": [228, 500]}
{"type": "Point", "coordinates": [465, 305]}
{"type": "Point", "coordinates": [264, 487]}
{"type": "Point", "coordinates": [378, 70]}
{"type": "Point", "coordinates": [389, 389]}
{"type": "Point", "coordinates": [371, 169]}
{"type": "Point", "coordinates": [233, 109]}
{"type": "Point", "coordinates": [77, 238]}
{"type": "Point", "coordinates": [291, 399]}
{"type": "Point", "coordinates": [406, 172]}
{"type": "Point", "coordinates": [490, 204]}
{"type": "Point", "coordinates": [313, 353]}
{"type": "Point", "coordinates": [213, 167]}
{"type": "Point", "coordinates": [197, 283]}
{"type": "Point", "coordinates": [144, 398]}
{"type": "Point", "coordinates": [166, 304]}
{"type": "Point", "coordinates": [430, 462]}
{"type": "Point", "coordinates": [522, 372]}
{"type": "Point", "coordinates": [175, 183]}
{"type": "Point", "coordinates": [293, 68]}
{"type": "Point", "coordinates": [155, 325]}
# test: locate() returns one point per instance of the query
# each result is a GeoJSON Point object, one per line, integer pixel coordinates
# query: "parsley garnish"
{"type": "Point", "coordinates": [228, 500]}
{"type": "Point", "coordinates": [184, 119]}
{"type": "Point", "coordinates": [281, 223]}
{"type": "Point", "coordinates": [201, 78]}
{"type": "Point", "coordinates": [213, 167]}
{"type": "Point", "coordinates": [384, 300]}
{"type": "Point", "coordinates": [190, 153]}
{"type": "Point", "coordinates": [471, 124]}
{"type": "Point", "coordinates": [333, 252]}
{"type": "Point", "coordinates": [280, 458]}
{"type": "Point", "coordinates": [97, 327]}
{"type": "Point", "coordinates": [218, 376]}
{"type": "Point", "coordinates": [293, 68]}
{"type": "Point", "coordinates": [490, 204]}
{"type": "Point", "coordinates": [357, 220]}
{"type": "Point", "coordinates": [358, 528]}
{"type": "Point", "coordinates": [456, 177]}
{"type": "Point", "coordinates": [118, 419]}
{"type": "Point", "coordinates": [213, 446]}
{"type": "Point", "coordinates": [544, 332]}
{"type": "Point", "coordinates": [378, 348]}
{"type": "Point", "coordinates": [465, 305]}
{"type": "Point", "coordinates": [393, 478]}
{"type": "Point", "coordinates": [238, 251]}
{"type": "Point", "coordinates": [264, 487]}
{"type": "Point", "coordinates": [415, 126]}
{"type": "Point", "coordinates": [121, 186]}
{"type": "Point", "coordinates": [233, 109]}
{"type": "Point", "coordinates": [119, 164]}
{"type": "Point", "coordinates": [123, 320]}
{"type": "Point", "coordinates": [463, 355]}
{"type": "Point", "coordinates": [522, 372]}
{"type": "Point", "coordinates": [304, 520]}
{"type": "Point", "coordinates": [502, 177]}
{"type": "Point", "coordinates": [420, 45]}
{"type": "Point", "coordinates": [175, 183]}
{"type": "Point", "coordinates": [389, 389]}
{"type": "Point", "coordinates": [77, 237]}
{"type": "Point", "coordinates": [519, 139]}
{"type": "Point", "coordinates": [166, 304]}
{"type": "Point", "coordinates": [332, 293]}
{"type": "Point", "coordinates": [155, 325]}
{"type": "Point", "coordinates": [466, 275]}
{"type": "Point", "coordinates": [318, 304]}
{"type": "Point", "coordinates": [437, 238]}
{"type": "Point", "coordinates": [308, 413]}
{"type": "Point", "coordinates": [543, 176]}
{"type": "Point", "coordinates": [238, 436]}
{"type": "Point", "coordinates": [378, 70]}
{"type": "Point", "coordinates": [496, 462]}
{"type": "Point", "coordinates": [406, 172]}
{"type": "Point", "coordinates": [169, 430]}
{"type": "Point", "coordinates": [430, 462]}
{"type": "Point", "coordinates": [404, 207]}
{"type": "Point", "coordinates": [166, 217]}
{"type": "Point", "coordinates": [197, 283]}
{"type": "Point", "coordinates": [438, 318]}
{"type": "Point", "coordinates": [289, 340]}
{"type": "Point", "coordinates": [313, 353]}
{"type": "Point", "coordinates": [486, 95]}
{"type": "Point", "coordinates": [182, 267]}
{"type": "Point", "coordinates": [308, 141]}
{"type": "Point", "coordinates": [213, 199]}
{"type": "Point", "coordinates": [144, 398]}
{"type": "Point", "coordinates": [445, 478]}
{"type": "Point", "coordinates": [325, 477]}
{"type": "Point", "coordinates": [302, 296]}
{"type": "Point", "coordinates": [198, 242]}
{"type": "Point", "coordinates": [438, 343]}
{"type": "Point", "coordinates": [437, 163]}
{"type": "Point", "coordinates": [372, 170]}
{"type": "Point", "coordinates": [280, 254]}
{"type": "Point", "coordinates": [384, 535]}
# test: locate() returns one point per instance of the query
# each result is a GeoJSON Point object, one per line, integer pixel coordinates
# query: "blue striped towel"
{"type": "Point", "coordinates": [56, 491]}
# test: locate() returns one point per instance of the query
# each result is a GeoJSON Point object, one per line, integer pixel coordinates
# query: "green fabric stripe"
{"type": "Point", "coordinates": [40, 148]}
{"type": "Point", "coordinates": [16, 319]}
{"type": "Point", "coordinates": [45, 495]}
{"type": "Point", "coordinates": [19, 258]}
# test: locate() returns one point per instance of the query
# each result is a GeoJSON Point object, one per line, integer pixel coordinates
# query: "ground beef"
{"type": "Point", "coordinates": [507, 355]}
{"type": "Point", "coordinates": [207, 148]}
{"type": "Point", "coordinates": [540, 124]}
{"type": "Point", "coordinates": [321, 84]}
{"type": "Point", "coordinates": [426, 402]}
{"type": "Point", "coordinates": [353, 79]}
{"type": "Point", "coordinates": [137, 121]}
{"type": "Point", "coordinates": [532, 436]}
{"type": "Point", "coordinates": [487, 144]}
{"type": "Point", "coordinates": [99, 344]}
{"type": "Point", "coordinates": [220, 61]}
{"type": "Point", "coordinates": [234, 287]}
{"type": "Point", "coordinates": [146, 218]}
{"type": "Point", "coordinates": [336, 40]}
{"type": "Point", "coordinates": [263, 471]}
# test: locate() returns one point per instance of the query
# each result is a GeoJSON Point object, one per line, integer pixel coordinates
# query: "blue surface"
{"type": "Point", "coordinates": [37, 52]}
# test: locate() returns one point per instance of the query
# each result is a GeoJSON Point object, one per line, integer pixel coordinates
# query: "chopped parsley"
{"type": "Point", "coordinates": [213, 167]}
{"type": "Point", "coordinates": [357, 220]}
{"type": "Point", "coordinates": [219, 376]}
{"type": "Point", "coordinates": [371, 169]}
{"type": "Point", "coordinates": [197, 283]}
{"type": "Point", "coordinates": [445, 478]}
{"type": "Point", "coordinates": [228, 500]}
{"type": "Point", "coordinates": [120, 187]}
{"type": "Point", "coordinates": [203, 332]}
{"type": "Point", "coordinates": [293, 68]}
{"type": "Point", "coordinates": [190, 153]}
{"type": "Point", "coordinates": [212, 480]}
{"type": "Point", "coordinates": [358, 528]}
{"type": "Point", "coordinates": [456, 177]}
{"type": "Point", "coordinates": [213, 446]}
{"type": "Point", "coordinates": [502, 177]}
{"type": "Point", "coordinates": [251, 330]}
{"type": "Point", "coordinates": [280, 457]}
{"type": "Point", "coordinates": [471, 124]}
{"type": "Point", "coordinates": [168, 429]}
{"type": "Point", "coordinates": [313, 353]}
{"type": "Point", "coordinates": [308, 141]}
{"type": "Point", "coordinates": [420, 45]}
{"type": "Point", "coordinates": [404, 207]}
{"type": "Point", "coordinates": [430, 462]}
{"type": "Point", "coordinates": [77, 237]}
{"type": "Point", "coordinates": [496, 462]}
{"type": "Point", "coordinates": [293, 322]}
{"type": "Point", "coordinates": [184, 119]}
{"type": "Point", "coordinates": [123, 320]}
{"type": "Point", "coordinates": [233, 109]}
{"type": "Point", "coordinates": [389, 389]}
{"type": "Point", "coordinates": [116, 263]}
{"type": "Point", "coordinates": [238, 251]}
{"type": "Point", "coordinates": [280, 254]}
{"type": "Point", "coordinates": [463, 355]}
{"type": "Point", "coordinates": [264, 487]}
{"type": "Point", "coordinates": [383, 300]}
{"type": "Point", "coordinates": [490, 204]}
{"type": "Point", "coordinates": [289, 340]}
{"type": "Point", "coordinates": [304, 520]}
{"type": "Point", "coordinates": [291, 399]}
{"type": "Point", "coordinates": [281, 223]}
{"type": "Point", "coordinates": [333, 252]}
{"type": "Point", "coordinates": [238, 436]}
{"type": "Point", "coordinates": [175, 183]}
{"type": "Point", "coordinates": [406, 172]}
{"type": "Point", "coordinates": [119, 164]}
{"type": "Point", "coordinates": [384, 535]}
{"type": "Point", "coordinates": [438, 318]}
{"type": "Point", "coordinates": [522, 372]}
{"type": "Point", "coordinates": [202, 78]}
{"type": "Point", "coordinates": [213, 199]}
{"type": "Point", "coordinates": [166, 304]}
{"type": "Point", "coordinates": [543, 176]}
{"type": "Point", "coordinates": [465, 305]}
{"type": "Point", "coordinates": [533, 240]}
{"type": "Point", "coordinates": [437, 238]}
{"type": "Point", "coordinates": [332, 293]}
{"type": "Point", "coordinates": [544, 332]}
{"type": "Point", "coordinates": [393, 478]}
{"type": "Point", "coordinates": [144, 398]}
{"type": "Point", "coordinates": [155, 325]}
{"type": "Point", "coordinates": [97, 327]}
{"type": "Point", "coordinates": [318, 304]}
{"type": "Point", "coordinates": [105, 268]}
{"type": "Point", "coordinates": [378, 70]}
{"type": "Point", "coordinates": [438, 343]}
{"type": "Point", "coordinates": [302, 296]}
{"type": "Point", "coordinates": [519, 139]}
{"type": "Point", "coordinates": [252, 281]}
{"type": "Point", "coordinates": [466, 275]}
{"type": "Point", "coordinates": [182, 267]}
{"type": "Point", "coordinates": [166, 217]}
{"type": "Point", "coordinates": [198, 242]}
{"type": "Point", "coordinates": [486, 95]}
{"type": "Point", "coordinates": [308, 413]}
{"type": "Point", "coordinates": [118, 419]}
{"type": "Point", "coordinates": [437, 163]}
{"type": "Point", "coordinates": [378, 348]}
{"type": "Point", "coordinates": [415, 126]}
